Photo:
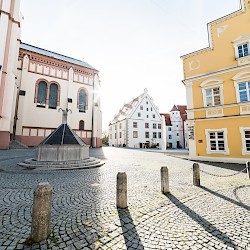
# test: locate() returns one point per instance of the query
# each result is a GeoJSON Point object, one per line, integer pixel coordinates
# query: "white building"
{"type": "Point", "coordinates": [48, 82]}
{"type": "Point", "coordinates": [10, 27]}
{"type": "Point", "coordinates": [176, 127]}
{"type": "Point", "coordinates": [137, 125]}
{"type": "Point", "coordinates": [36, 84]}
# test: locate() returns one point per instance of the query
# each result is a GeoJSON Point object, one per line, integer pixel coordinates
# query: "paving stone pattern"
{"type": "Point", "coordinates": [84, 214]}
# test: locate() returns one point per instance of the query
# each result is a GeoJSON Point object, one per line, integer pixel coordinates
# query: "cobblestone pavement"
{"type": "Point", "coordinates": [84, 214]}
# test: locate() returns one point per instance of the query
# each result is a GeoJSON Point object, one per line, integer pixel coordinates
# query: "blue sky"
{"type": "Point", "coordinates": [135, 44]}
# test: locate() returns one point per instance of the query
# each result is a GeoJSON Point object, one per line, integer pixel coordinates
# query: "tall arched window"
{"type": "Point", "coordinates": [41, 93]}
{"type": "Point", "coordinates": [82, 101]}
{"type": "Point", "coordinates": [53, 93]}
{"type": "Point", "coordinates": [81, 125]}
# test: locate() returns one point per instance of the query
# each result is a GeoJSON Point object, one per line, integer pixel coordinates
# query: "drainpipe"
{"type": "Point", "coordinates": [93, 107]}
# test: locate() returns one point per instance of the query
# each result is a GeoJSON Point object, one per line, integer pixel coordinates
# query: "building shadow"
{"type": "Point", "coordinates": [222, 237]}
{"type": "Point", "coordinates": [238, 203]}
{"type": "Point", "coordinates": [97, 153]}
{"type": "Point", "coordinates": [230, 166]}
{"type": "Point", "coordinates": [131, 237]}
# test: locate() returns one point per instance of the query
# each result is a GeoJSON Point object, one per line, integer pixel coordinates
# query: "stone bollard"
{"type": "Point", "coordinates": [121, 190]}
{"type": "Point", "coordinates": [41, 212]}
{"type": "Point", "coordinates": [164, 180]}
{"type": "Point", "coordinates": [196, 174]}
{"type": "Point", "coordinates": [248, 169]}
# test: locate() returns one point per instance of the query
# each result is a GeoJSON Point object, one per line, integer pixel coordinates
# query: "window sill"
{"type": "Point", "coordinates": [243, 60]}
{"type": "Point", "coordinates": [40, 106]}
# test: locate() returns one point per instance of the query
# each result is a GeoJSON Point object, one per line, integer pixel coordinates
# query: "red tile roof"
{"type": "Point", "coordinates": [167, 119]}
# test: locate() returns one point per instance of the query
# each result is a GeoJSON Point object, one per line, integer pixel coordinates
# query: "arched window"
{"type": "Point", "coordinates": [53, 93]}
{"type": "Point", "coordinates": [41, 94]}
{"type": "Point", "coordinates": [81, 125]}
{"type": "Point", "coordinates": [82, 101]}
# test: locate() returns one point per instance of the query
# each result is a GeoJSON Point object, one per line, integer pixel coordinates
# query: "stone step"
{"type": "Point", "coordinates": [66, 166]}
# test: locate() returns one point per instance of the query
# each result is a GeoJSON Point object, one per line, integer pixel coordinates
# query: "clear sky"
{"type": "Point", "coordinates": [135, 44]}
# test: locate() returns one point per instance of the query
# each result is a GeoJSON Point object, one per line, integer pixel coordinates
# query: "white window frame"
{"type": "Point", "coordinates": [135, 125]}
{"type": "Point", "coordinates": [211, 84]}
{"type": "Point", "coordinates": [243, 140]}
{"type": "Point", "coordinates": [226, 150]}
{"type": "Point", "coordinates": [243, 39]}
{"type": "Point", "coordinates": [240, 78]}
{"type": "Point", "coordinates": [135, 134]}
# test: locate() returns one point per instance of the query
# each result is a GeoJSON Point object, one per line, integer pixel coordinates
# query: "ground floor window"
{"type": "Point", "coordinates": [217, 141]}
{"type": "Point", "coordinates": [245, 137]}
{"type": "Point", "coordinates": [135, 134]}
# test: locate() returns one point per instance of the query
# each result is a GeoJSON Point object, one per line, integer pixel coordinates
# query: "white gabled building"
{"type": "Point", "coordinates": [176, 127]}
{"type": "Point", "coordinates": [137, 125]}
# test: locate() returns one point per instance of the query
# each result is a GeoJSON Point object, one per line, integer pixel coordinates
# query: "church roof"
{"type": "Point", "coordinates": [63, 135]}
{"type": "Point", "coordinates": [55, 55]}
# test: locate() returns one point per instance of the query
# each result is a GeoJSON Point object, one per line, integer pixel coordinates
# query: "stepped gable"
{"type": "Point", "coordinates": [63, 135]}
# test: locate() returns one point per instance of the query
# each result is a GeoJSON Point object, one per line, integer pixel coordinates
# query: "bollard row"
{"type": "Point", "coordinates": [41, 213]}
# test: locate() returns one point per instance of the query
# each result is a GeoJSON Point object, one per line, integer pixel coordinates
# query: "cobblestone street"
{"type": "Point", "coordinates": [84, 214]}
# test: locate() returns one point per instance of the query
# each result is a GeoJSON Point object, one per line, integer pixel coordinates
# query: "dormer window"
{"type": "Point", "coordinates": [243, 50]}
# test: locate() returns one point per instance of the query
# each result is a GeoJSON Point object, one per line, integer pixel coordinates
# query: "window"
{"type": "Point", "coordinates": [120, 134]}
{"type": "Point", "coordinates": [244, 91]}
{"type": "Point", "coordinates": [169, 128]}
{"type": "Point", "coordinates": [147, 109]}
{"type": "Point", "coordinates": [151, 109]}
{"type": "Point", "coordinates": [146, 102]}
{"type": "Point", "coordinates": [82, 100]}
{"type": "Point", "coordinates": [110, 136]}
{"type": "Point", "coordinates": [213, 96]}
{"type": "Point", "coordinates": [154, 135]}
{"type": "Point", "coordinates": [135, 134]}
{"type": "Point", "coordinates": [141, 107]}
{"type": "Point", "coordinates": [159, 135]}
{"type": "Point", "coordinates": [81, 125]}
{"type": "Point", "coordinates": [154, 125]}
{"type": "Point", "coordinates": [120, 125]}
{"type": "Point", "coordinates": [147, 134]}
{"type": "Point", "coordinates": [216, 140]}
{"type": "Point", "coordinates": [243, 50]}
{"type": "Point", "coordinates": [245, 136]}
{"type": "Point", "coordinates": [177, 134]}
{"type": "Point", "coordinates": [147, 116]}
{"type": "Point", "coordinates": [115, 127]}
{"type": "Point", "coordinates": [153, 116]}
{"type": "Point", "coordinates": [170, 137]}
{"type": "Point", "coordinates": [212, 90]}
{"type": "Point", "coordinates": [159, 126]}
{"type": "Point", "coordinates": [41, 94]}
{"type": "Point", "coordinates": [53, 93]}
{"type": "Point", "coordinates": [146, 125]}
{"type": "Point", "coordinates": [134, 124]}
{"type": "Point", "coordinates": [115, 135]}
{"type": "Point", "coordinates": [139, 114]}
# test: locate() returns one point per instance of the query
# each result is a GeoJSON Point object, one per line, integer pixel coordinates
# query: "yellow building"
{"type": "Point", "coordinates": [217, 81]}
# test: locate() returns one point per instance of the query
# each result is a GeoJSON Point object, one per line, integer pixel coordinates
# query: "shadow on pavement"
{"type": "Point", "coordinates": [240, 204]}
{"type": "Point", "coordinates": [201, 221]}
{"type": "Point", "coordinates": [98, 153]}
{"type": "Point", "coordinates": [231, 166]}
{"type": "Point", "coordinates": [131, 237]}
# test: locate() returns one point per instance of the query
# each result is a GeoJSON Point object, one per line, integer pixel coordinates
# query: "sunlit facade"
{"type": "Point", "coordinates": [217, 81]}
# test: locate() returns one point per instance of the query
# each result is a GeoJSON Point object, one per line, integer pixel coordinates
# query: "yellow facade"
{"type": "Point", "coordinates": [217, 81]}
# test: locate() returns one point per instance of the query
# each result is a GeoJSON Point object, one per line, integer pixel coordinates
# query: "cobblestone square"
{"type": "Point", "coordinates": [84, 214]}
